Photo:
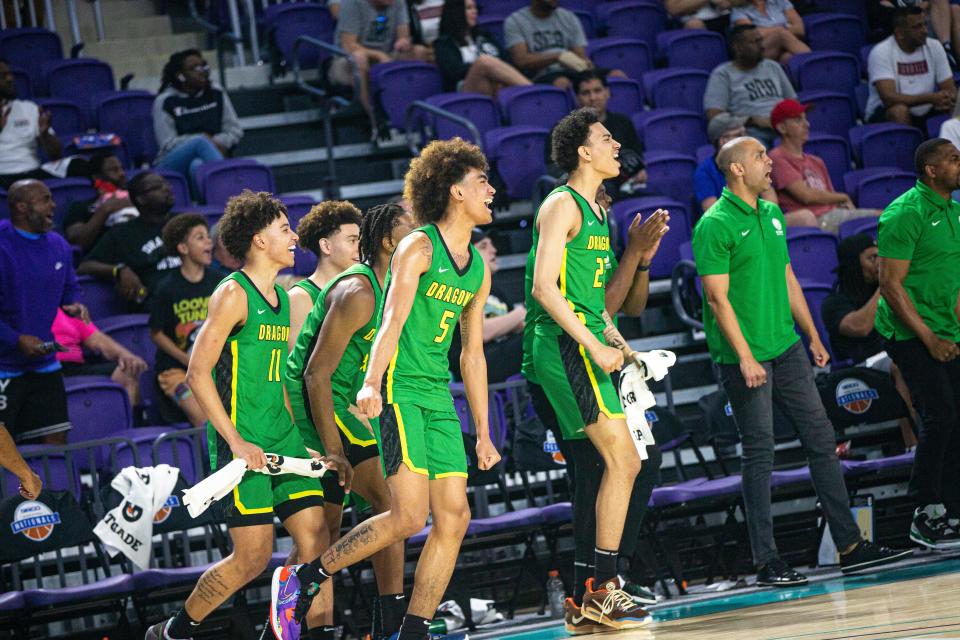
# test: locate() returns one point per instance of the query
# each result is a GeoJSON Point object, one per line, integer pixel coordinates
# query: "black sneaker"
{"type": "Point", "coordinates": [933, 533]}
{"type": "Point", "coordinates": [778, 573]}
{"type": "Point", "coordinates": [868, 555]}
{"type": "Point", "coordinates": [639, 593]}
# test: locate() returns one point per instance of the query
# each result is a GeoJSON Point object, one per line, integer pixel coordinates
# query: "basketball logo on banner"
{"type": "Point", "coordinates": [855, 395]}
{"type": "Point", "coordinates": [166, 509]}
{"type": "Point", "coordinates": [34, 520]}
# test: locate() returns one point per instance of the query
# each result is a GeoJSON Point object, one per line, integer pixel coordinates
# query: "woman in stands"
{"type": "Point", "coordinates": [777, 21]}
{"type": "Point", "coordinates": [468, 57]}
{"type": "Point", "coordinates": [193, 119]}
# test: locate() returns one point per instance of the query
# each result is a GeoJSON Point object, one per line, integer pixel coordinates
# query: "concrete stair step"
{"type": "Point", "coordinates": [123, 52]}
{"type": "Point", "coordinates": [132, 28]}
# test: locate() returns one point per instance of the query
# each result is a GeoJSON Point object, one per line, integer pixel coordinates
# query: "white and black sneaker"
{"type": "Point", "coordinates": [639, 593]}
{"type": "Point", "coordinates": [933, 530]}
{"type": "Point", "coordinates": [867, 555]}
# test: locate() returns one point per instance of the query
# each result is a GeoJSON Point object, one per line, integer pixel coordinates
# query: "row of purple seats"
{"type": "Point", "coordinates": [28, 49]}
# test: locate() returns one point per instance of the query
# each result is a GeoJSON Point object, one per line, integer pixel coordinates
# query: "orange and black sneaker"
{"type": "Point", "coordinates": [578, 624]}
{"type": "Point", "coordinates": [610, 605]}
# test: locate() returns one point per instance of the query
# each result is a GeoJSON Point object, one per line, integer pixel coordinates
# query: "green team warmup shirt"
{"type": "Point", "coordinates": [310, 287]}
{"type": "Point", "coordinates": [418, 372]}
{"type": "Point", "coordinates": [922, 227]}
{"type": "Point", "coordinates": [751, 246]}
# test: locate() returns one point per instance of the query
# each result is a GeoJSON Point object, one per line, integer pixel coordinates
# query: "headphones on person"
{"type": "Point", "coordinates": [181, 77]}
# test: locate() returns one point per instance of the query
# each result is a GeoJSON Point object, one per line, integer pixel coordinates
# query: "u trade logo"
{"type": "Point", "coordinates": [34, 520]}
{"type": "Point", "coordinates": [855, 395]}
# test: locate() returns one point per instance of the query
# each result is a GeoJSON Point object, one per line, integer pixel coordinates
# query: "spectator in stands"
{"type": "Point", "coordinates": [708, 180]}
{"type": "Point", "coordinates": [748, 86]}
{"type": "Point", "coordinates": [777, 21]}
{"type": "Point", "coordinates": [331, 231]}
{"type": "Point", "coordinates": [591, 90]}
{"type": "Point", "coordinates": [193, 119]}
{"type": "Point", "coordinates": [12, 461]}
{"type": "Point", "coordinates": [223, 261]}
{"type": "Point", "coordinates": [425, 17]}
{"type": "Point", "coordinates": [740, 249]}
{"type": "Point", "coordinates": [109, 357]}
{"type": "Point", "coordinates": [87, 220]}
{"type": "Point", "coordinates": [910, 77]}
{"type": "Point", "coordinates": [131, 254]}
{"type": "Point", "coordinates": [179, 307]}
{"type": "Point", "coordinates": [803, 184]}
{"type": "Point", "coordinates": [36, 279]}
{"type": "Point", "coordinates": [919, 315]}
{"type": "Point", "coordinates": [24, 126]}
{"type": "Point", "coordinates": [372, 31]}
{"type": "Point", "coordinates": [547, 43]}
{"type": "Point", "coordinates": [943, 17]}
{"type": "Point", "coordinates": [700, 14]}
{"type": "Point", "coordinates": [950, 129]}
{"type": "Point", "coordinates": [468, 57]}
{"type": "Point", "coordinates": [848, 315]}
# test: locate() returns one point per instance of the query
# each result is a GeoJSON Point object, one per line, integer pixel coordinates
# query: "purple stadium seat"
{"type": "Point", "coordinates": [791, 476]}
{"type": "Point", "coordinates": [557, 513]}
{"type": "Point", "coordinates": [28, 49]}
{"type": "Point", "coordinates": [174, 451]}
{"type": "Point", "coordinates": [885, 144]}
{"type": "Point", "coordinates": [859, 225]}
{"type": "Point", "coordinates": [522, 518]}
{"type": "Point", "coordinates": [835, 153]}
{"type": "Point", "coordinates": [877, 191]}
{"type": "Point", "coordinates": [4, 206]}
{"type": "Point", "coordinates": [856, 8]}
{"type": "Point", "coordinates": [815, 294]}
{"type": "Point", "coordinates": [67, 117]}
{"type": "Point", "coordinates": [630, 55]}
{"type": "Point", "coordinates": [132, 331]}
{"type": "Point", "coordinates": [813, 254]}
{"type": "Point", "coordinates": [828, 70]}
{"type": "Point", "coordinates": [671, 130]}
{"type": "Point", "coordinates": [631, 19]}
{"type": "Point", "coordinates": [501, 8]}
{"type": "Point", "coordinates": [692, 48]}
{"type": "Point", "coordinates": [51, 466]}
{"type": "Point", "coordinates": [861, 94]}
{"type": "Point", "coordinates": [220, 180]}
{"type": "Point", "coordinates": [80, 80]}
{"type": "Point", "coordinates": [704, 151]}
{"type": "Point", "coordinates": [852, 179]}
{"type": "Point", "coordinates": [21, 79]}
{"type": "Point", "coordinates": [879, 465]}
{"type": "Point", "coordinates": [674, 494]}
{"type": "Point", "coordinates": [717, 488]}
{"type": "Point", "coordinates": [65, 192]}
{"type": "Point", "coordinates": [834, 32]}
{"type": "Point", "coordinates": [397, 84]}
{"type": "Point", "coordinates": [833, 112]}
{"type": "Point", "coordinates": [624, 211]}
{"type": "Point", "coordinates": [129, 115]}
{"type": "Point", "coordinates": [517, 155]}
{"type": "Point", "coordinates": [588, 23]}
{"type": "Point", "coordinates": [12, 601]}
{"type": "Point", "coordinates": [671, 174]}
{"type": "Point", "coordinates": [212, 212]}
{"type": "Point", "coordinates": [479, 109]}
{"type": "Point", "coordinates": [100, 297]}
{"type": "Point", "coordinates": [285, 22]}
{"type": "Point", "coordinates": [865, 56]}
{"type": "Point", "coordinates": [676, 88]}
{"type": "Point", "coordinates": [97, 410]}
{"type": "Point", "coordinates": [934, 123]}
{"type": "Point", "coordinates": [305, 261]}
{"type": "Point", "coordinates": [493, 25]}
{"type": "Point", "coordinates": [420, 537]}
{"type": "Point", "coordinates": [534, 105]}
{"type": "Point", "coordinates": [626, 96]}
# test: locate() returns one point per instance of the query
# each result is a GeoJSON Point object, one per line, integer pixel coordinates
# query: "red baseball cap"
{"type": "Point", "coordinates": [787, 109]}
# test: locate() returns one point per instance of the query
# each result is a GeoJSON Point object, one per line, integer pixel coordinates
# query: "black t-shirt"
{"type": "Point", "coordinates": [177, 308]}
{"type": "Point", "coordinates": [138, 245]}
{"type": "Point", "coordinates": [833, 310]}
{"type": "Point", "coordinates": [79, 211]}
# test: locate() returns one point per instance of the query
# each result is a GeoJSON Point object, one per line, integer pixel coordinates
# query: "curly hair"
{"type": "Point", "coordinates": [441, 164]}
{"type": "Point", "coordinates": [173, 68]}
{"type": "Point", "coordinates": [378, 223]}
{"type": "Point", "coordinates": [569, 135]}
{"type": "Point", "coordinates": [323, 221]}
{"type": "Point", "coordinates": [246, 215]}
{"type": "Point", "coordinates": [178, 228]}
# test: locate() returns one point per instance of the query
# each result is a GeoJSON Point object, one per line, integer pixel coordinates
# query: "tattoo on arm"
{"type": "Point", "coordinates": [427, 250]}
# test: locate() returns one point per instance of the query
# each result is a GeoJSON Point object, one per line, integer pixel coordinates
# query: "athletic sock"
{"type": "Point", "coordinates": [324, 574]}
{"type": "Point", "coordinates": [323, 633]}
{"type": "Point", "coordinates": [606, 564]}
{"type": "Point", "coordinates": [376, 620]}
{"type": "Point", "coordinates": [180, 626]}
{"type": "Point", "coordinates": [581, 571]}
{"type": "Point", "coordinates": [414, 628]}
{"type": "Point", "coordinates": [392, 607]}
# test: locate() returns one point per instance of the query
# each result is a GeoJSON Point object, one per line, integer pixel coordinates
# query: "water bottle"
{"type": "Point", "coordinates": [555, 594]}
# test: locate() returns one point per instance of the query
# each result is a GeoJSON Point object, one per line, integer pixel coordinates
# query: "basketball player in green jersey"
{"type": "Point", "coordinates": [324, 373]}
{"type": "Point", "coordinates": [244, 344]}
{"type": "Point", "coordinates": [332, 231]}
{"type": "Point", "coordinates": [435, 278]}
{"type": "Point", "coordinates": [572, 361]}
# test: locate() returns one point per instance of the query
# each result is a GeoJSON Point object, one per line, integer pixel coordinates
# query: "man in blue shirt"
{"type": "Point", "coordinates": [36, 278]}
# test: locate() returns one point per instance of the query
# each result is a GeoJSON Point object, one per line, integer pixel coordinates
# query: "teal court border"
{"type": "Point", "coordinates": [769, 596]}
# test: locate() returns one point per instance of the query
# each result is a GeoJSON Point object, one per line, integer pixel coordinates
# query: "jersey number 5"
{"type": "Point", "coordinates": [273, 373]}
{"type": "Point", "coordinates": [444, 325]}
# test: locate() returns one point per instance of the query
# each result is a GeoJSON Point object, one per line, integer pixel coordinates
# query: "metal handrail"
{"type": "Point", "coordinates": [440, 112]}
{"type": "Point", "coordinates": [221, 36]}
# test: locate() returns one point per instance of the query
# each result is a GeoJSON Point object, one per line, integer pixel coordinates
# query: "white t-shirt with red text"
{"type": "Point", "coordinates": [914, 73]}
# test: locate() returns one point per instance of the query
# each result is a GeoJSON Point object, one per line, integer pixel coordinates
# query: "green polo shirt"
{"type": "Point", "coordinates": [751, 246]}
{"type": "Point", "coordinates": [922, 227]}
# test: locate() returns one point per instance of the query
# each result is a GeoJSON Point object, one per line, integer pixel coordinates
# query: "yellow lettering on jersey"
{"type": "Point", "coordinates": [453, 295]}
{"type": "Point", "coordinates": [273, 333]}
{"type": "Point", "coordinates": [432, 288]}
{"type": "Point", "coordinates": [370, 334]}
{"type": "Point", "coordinates": [598, 243]}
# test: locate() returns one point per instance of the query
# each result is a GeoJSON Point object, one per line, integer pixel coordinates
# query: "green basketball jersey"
{"type": "Point", "coordinates": [419, 372]}
{"type": "Point", "coordinates": [583, 270]}
{"type": "Point", "coordinates": [310, 287]}
{"type": "Point", "coordinates": [249, 373]}
{"type": "Point", "coordinates": [347, 378]}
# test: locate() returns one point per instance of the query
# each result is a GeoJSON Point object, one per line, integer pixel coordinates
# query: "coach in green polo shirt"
{"type": "Point", "coordinates": [752, 300]}
{"type": "Point", "coordinates": [919, 248]}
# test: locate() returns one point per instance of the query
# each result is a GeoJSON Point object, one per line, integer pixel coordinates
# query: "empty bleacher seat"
{"type": "Point", "coordinates": [220, 180]}
{"type": "Point", "coordinates": [28, 49]}
{"type": "Point", "coordinates": [671, 130]}
{"type": "Point", "coordinates": [80, 80]}
{"type": "Point", "coordinates": [813, 254]}
{"type": "Point", "coordinates": [830, 70]}
{"type": "Point", "coordinates": [885, 144]}
{"type": "Point", "coordinates": [517, 155]}
{"type": "Point", "coordinates": [934, 122]}
{"type": "Point", "coordinates": [534, 105]}
{"type": "Point", "coordinates": [66, 116]}
{"type": "Point", "coordinates": [692, 48]}
{"type": "Point", "coordinates": [397, 84]}
{"type": "Point", "coordinates": [623, 213]}
{"type": "Point", "coordinates": [587, 21]}
{"type": "Point", "coordinates": [815, 294]}
{"type": "Point", "coordinates": [878, 190]}
{"type": "Point", "coordinates": [100, 297]}
{"type": "Point", "coordinates": [630, 55]}
{"type": "Point", "coordinates": [833, 112]}
{"type": "Point", "coordinates": [129, 115]}
{"type": "Point", "coordinates": [97, 409]}
{"type": "Point", "coordinates": [132, 331]}
{"type": "Point", "coordinates": [626, 95]}
{"type": "Point", "coordinates": [65, 192]}
{"type": "Point", "coordinates": [285, 22]}
{"type": "Point", "coordinates": [631, 19]}
{"type": "Point", "coordinates": [502, 8]}
{"type": "Point", "coordinates": [834, 32]}
{"type": "Point", "coordinates": [868, 226]}
{"type": "Point", "coordinates": [676, 88]}
{"type": "Point", "coordinates": [479, 109]}
{"type": "Point", "coordinates": [671, 174]}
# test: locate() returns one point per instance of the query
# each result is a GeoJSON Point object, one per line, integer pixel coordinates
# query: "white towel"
{"type": "Point", "coordinates": [199, 497]}
{"type": "Point", "coordinates": [636, 397]}
{"type": "Point", "coordinates": [128, 528]}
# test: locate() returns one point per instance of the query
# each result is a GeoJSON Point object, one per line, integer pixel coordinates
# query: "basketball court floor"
{"type": "Point", "coordinates": [917, 600]}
